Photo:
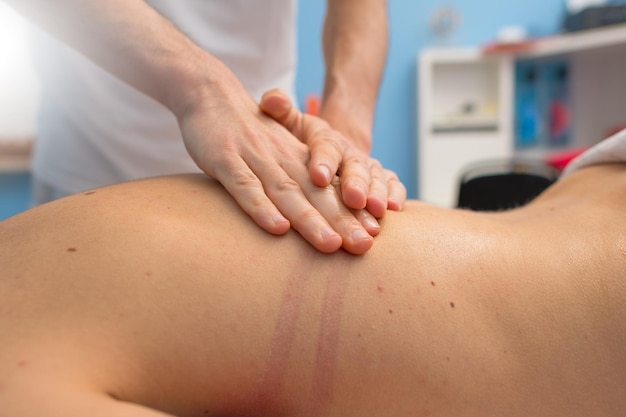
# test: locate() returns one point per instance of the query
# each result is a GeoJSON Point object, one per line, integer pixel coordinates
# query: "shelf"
{"type": "Point", "coordinates": [567, 43]}
{"type": "Point", "coordinates": [466, 124]}
{"type": "Point", "coordinates": [467, 102]}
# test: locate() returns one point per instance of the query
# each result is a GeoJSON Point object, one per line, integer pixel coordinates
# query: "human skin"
{"type": "Point", "coordinates": [163, 295]}
{"type": "Point", "coordinates": [264, 167]}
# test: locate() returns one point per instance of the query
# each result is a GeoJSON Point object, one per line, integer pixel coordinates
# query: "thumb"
{"type": "Point", "coordinates": [277, 105]}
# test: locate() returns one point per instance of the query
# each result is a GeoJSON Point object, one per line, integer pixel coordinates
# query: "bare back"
{"type": "Point", "coordinates": [162, 293]}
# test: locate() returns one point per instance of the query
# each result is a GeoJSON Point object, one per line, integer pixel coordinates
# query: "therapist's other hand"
{"type": "Point", "coordinates": [365, 184]}
{"type": "Point", "coordinates": [264, 167]}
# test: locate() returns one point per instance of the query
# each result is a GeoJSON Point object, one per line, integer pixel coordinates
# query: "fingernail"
{"type": "Point", "coordinates": [326, 171]}
{"type": "Point", "coordinates": [329, 232]}
{"type": "Point", "coordinates": [360, 234]}
{"type": "Point", "coordinates": [278, 219]}
{"type": "Point", "coordinates": [394, 204]}
{"type": "Point", "coordinates": [371, 223]}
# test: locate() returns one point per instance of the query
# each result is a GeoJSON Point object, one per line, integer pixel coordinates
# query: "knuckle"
{"type": "Point", "coordinates": [308, 215]}
{"type": "Point", "coordinates": [246, 179]}
{"type": "Point", "coordinates": [391, 175]}
{"type": "Point", "coordinates": [287, 185]}
{"type": "Point", "coordinates": [326, 137]}
{"type": "Point", "coordinates": [223, 161]}
{"type": "Point", "coordinates": [375, 164]}
{"type": "Point", "coordinates": [257, 203]}
{"type": "Point", "coordinates": [347, 218]}
{"type": "Point", "coordinates": [355, 160]}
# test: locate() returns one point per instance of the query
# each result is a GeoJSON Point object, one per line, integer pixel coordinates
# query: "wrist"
{"type": "Point", "coordinates": [197, 81]}
{"type": "Point", "coordinates": [351, 118]}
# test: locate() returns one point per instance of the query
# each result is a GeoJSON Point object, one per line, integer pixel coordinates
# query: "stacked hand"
{"type": "Point", "coordinates": [296, 173]}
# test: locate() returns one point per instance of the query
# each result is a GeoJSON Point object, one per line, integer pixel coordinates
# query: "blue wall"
{"type": "Point", "coordinates": [14, 193]}
{"type": "Point", "coordinates": [395, 129]}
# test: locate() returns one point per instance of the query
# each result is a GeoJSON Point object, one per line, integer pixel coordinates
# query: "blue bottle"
{"type": "Point", "coordinates": [528, 120]}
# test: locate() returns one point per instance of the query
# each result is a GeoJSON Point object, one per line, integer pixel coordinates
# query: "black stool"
{"type": "Point", "coordinates": [502, 185]}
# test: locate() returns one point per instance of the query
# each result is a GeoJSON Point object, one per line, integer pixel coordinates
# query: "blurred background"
{"type": "Point", "coordinates": [465, 65]}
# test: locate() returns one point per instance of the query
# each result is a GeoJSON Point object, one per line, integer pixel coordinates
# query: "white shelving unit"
{"type": "Point", "coordinates": [466, 102]}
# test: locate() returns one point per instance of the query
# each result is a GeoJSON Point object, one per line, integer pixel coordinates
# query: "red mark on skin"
{"type": "Point", "coordinates": [271, 382]}
{"type": "Point", "coordinates": [20, 364]}
{"type": "Point", "coordinates": [381, 288]}
{"type": "Point", "coordinates": [72, 249]}
{"type": "Point", "coordinates": [328, 343]}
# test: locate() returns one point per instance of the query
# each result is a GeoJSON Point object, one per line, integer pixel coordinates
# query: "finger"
{"type": "Point", "coordinates": [368, 221]}
{"type": "Point", "coordinates": [397, 192]}
{"type": "Point", "coordinates": [284, 187]}
{"type": "Point", "coordinates": [277, 105]}
{"type": "Point", "coordinates": [248, 191]}
{"type": "Point", "coordinates": [325, 152]}
{"type": "Point", "coordinates": [305, 218]}
{"type": "Point", "coordinates": [326, 156]}
{"type": "Point", "coordinates": [355, 180]}
{"type": "Point", "coordinates": [355, 227]}
{"type": "Point", "coordinates": [317, 214]}
{"type": "Point", "coordinates": [378, 193]}
{"type": "Point", "coordinates": [323, 206]}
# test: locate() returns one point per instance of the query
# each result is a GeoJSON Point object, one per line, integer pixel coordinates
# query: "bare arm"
{"type": "Point", "coordinates": [260, 163]}
{"type": "Point", "coordinates": [355, 50]}
{"type": "Point", "coordinates": [131, 40]}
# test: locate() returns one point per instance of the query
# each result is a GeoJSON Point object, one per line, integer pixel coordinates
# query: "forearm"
{"type": "Point", "coordinates": [132, 41]}
{"type": "Point", "coordinates": [355, 51]}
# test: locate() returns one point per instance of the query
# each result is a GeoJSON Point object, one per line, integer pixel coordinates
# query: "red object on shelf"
{"type": "Point", "coordinates": [507, 47]}
{"type": "Point", "coordinates": [559, 120]}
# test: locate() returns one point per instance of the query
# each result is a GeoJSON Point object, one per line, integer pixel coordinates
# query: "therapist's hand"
{"type": "Point", "coordinates": [264, 167]}
{"type": "Point", "coordinates": [365, 184]}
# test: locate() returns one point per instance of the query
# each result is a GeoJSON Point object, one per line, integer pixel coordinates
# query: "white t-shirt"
{"type": "Point", "coordinates": [94, 129]}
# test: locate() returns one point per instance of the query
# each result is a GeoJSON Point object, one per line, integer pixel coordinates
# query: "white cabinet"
{"type": "Point", "coordinates": [467, 103]}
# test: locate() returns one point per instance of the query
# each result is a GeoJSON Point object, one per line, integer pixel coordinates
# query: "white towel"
{"type": "Point", "coordinates": [612, 149]}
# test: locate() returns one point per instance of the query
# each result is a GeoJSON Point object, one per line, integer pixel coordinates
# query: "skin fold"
{"type": "Point", "coordinates": [162, 298]}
